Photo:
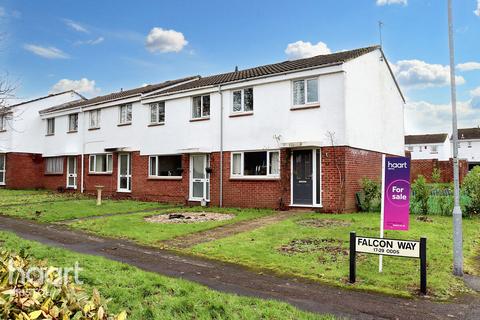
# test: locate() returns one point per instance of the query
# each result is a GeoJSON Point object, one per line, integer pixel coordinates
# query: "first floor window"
{"type": "Point", "coordinates": [101, 163]}
{"type": "Point", "coordinates": [469, 145]}
{"type": "Point", "coordinates": [410, 148]}
{"type": "Point", "coordinates": [256, 163]}
{"type": "Point", "coordinates": [3, 159]}
{"type": "Point", "coordinates": [3, 122]}
{"type": "Point", "coordinates": [434, 149]}
{"type": "Point", "coordinates": [165, 166]}
{"type": "Point", "coordinates": [243, 100]}
{"type": "Point", "coordinates": [201, 107]}
{"type": "Point", "coordinates": [95, 119]}
{"type": "Point", "coordinates": [305, 91]}
{"type": "Point", "coordinates": [54, 165]}
{"type": "Point", "coordinates": [51, 126]}
{"type": "Point", "coordinates": [73, 122]}
{"type": "Point", "coordinates": [157, 112]}
{"type": "Point", "coordinates": [126, 114]}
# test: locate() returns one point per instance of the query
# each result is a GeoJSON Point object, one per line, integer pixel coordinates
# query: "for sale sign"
{"type": "Point", "coordinates": [388, 247]}
{"type": "Point", "coordinates": [396, 196]}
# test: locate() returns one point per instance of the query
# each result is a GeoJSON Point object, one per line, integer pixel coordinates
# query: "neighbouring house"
{"type": "Point", "coordinates": [429, 146]}
{"type": "Point", "coordinates": [469, 146]}
{"type": "Point", "coordinates": [298, 133]}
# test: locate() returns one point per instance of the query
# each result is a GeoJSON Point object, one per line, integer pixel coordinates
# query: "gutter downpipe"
{"type": "Point", "coordinates": [82, 112]}
{"type": "Point", "coordinates": [221, 146]}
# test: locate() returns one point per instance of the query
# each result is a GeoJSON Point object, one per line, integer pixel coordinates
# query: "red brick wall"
{"type": "Point", "coordinates": [425, 167]}
{"type": "Point", "coordinates": [24, 171]}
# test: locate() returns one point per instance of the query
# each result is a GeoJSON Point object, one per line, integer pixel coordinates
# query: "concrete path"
{"type": "Point", "coordinates": [231, 278]}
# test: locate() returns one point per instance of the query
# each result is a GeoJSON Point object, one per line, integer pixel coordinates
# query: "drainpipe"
{"type": "Point", "coordinates": [82, 112]}
{"type": "Point", "coordinates": [221, 146]}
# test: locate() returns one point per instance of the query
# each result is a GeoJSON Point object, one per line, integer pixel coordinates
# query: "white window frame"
{"type": "Point", "coordinates": [50, 130]}
{"type": "Point", "coordinates": [242, 103]}
{"type": "Point", "coordinates": [201, 107]}
{"type": "Point", "coordinates": [242, 162]}
{"type": "Point", "coordinates": [127, 109]}
{"type": "Point", "coordinates": [3, 122]}
{"type": "Point", "coordinates": [469, 145]}
{"type": "Point", "coordinates": [96, 125]}
{"type": "Point", "coordinates": [70, 129]}
{"type": "Point", "coordinates": [305, 92]}
{"type": "Point", "coordinates": [3, 170]}
{"type": "Point", "coordinates": [61, 161]}
{"type": "Point", "coordinates": [108, 160]}
{"type": "Point", "coordinates": [156, 176]}
{"type": "Point", "coordinates": [434, 149]}
{"type": "Point", "coordinates": [157, 106]}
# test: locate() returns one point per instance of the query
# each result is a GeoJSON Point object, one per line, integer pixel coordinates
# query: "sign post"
{"type": "Point", "coordinates": [389, 247]}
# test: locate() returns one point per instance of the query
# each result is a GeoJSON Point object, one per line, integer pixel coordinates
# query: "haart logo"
{"type": "Point", "coordinates": [396, 165]}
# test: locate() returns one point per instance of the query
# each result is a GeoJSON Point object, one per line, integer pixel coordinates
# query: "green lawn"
{"type": "Point", "coordinates": [134, 227]}
{"type": "Point", "coordinates": [150, 296]}
{"type": "Point", "coordinates": [64, 210]}
{"type": "Point", "coordinates": [16, 192]}
{"type": "Point", "coordinates": [321, 253]}
{"type": "Point", "coordinates": [9, 199]}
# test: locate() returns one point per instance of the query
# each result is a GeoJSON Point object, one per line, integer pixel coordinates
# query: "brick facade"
{"type": "Point", "coordinates": [342, 168]}
{"type": "Point", "coordinates": [426, 167]}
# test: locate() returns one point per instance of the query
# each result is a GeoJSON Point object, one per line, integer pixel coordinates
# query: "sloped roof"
{"type": "Point", "coordinates": [272, 69]}
{"type": "Point", "coordinates": [48, 96]}
{"type": "Point", "coordinates": [426, 138]}
{"type": "Point", "coordinates": [116, 95]}
{"type": "Point", "coordinates": [469, 133]}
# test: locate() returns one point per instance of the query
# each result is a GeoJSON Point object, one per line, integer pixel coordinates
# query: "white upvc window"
{"type": "Point", "coordinates": [255, 164]}
{"type": "Point", "coordinates": [242, 100]}
{"type": "Point", "coordinates": [125, 116]}
{"type": "Point", "coordinates": [3, 122]}
{"type": "Point", "coordinates": [3, 160]}
{"type": "Point", "coordinates": [410, 148]}
{"type": "Point", "coordinates": [157, 112]}
{"type": "Point", "coordinates": [54, 165]}
{"type": "Point", "coordinates": [469, 145]}
{"type": "Point", "coordinates": [95, 119]}
{"type": "Point", "coordinates": [101, 163]}
{"type": "Point", "coordinates": [165, 166]}
{"type": "Point", "coordinates": [433, 149]}
{"type": "Point", "coordinates": [73, 122]}
{"type": "Point", "coordinates": [51, 126]}
{"type": "Point", "coordinates": [201, 107]}
{"type": "Point", "coordinates": [305, 91]}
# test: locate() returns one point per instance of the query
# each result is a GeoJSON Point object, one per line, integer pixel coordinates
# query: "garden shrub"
{"type": "Point", "coordinates": [53, 298]}
{"type": "Point", "coordinates": [471, 187]}
{"type": "Point", "coordinates": [436, 175]}
{"type": "Point", "coordinates": [371, 195]}
{"type": "Point", "coordinates": [421, 194]}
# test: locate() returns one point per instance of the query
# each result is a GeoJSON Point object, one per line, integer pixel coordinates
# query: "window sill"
{"type": "Point", "coordinates": [73, 131]}
{"type": "Point", "coordinates": [156, 124]}
{"type": "Point", "coordinates": [49, 134]}
{"type": "Point", "coordinates": [100, 173]}
{"type": "Point", "coordinates": [306, 106]}
{"type": "Point", "coordinates": [199, 119]}
{"type": "Point", "coordinates": [165, 178]}
{"type": "Point", "coordinates": [96, 128]}
{"type": "Point", "coordinates": [241, 114]}
{"type": "Point", "coordinates": [124, 124]}
{"type": "Point", "coordinates": [255, 178]}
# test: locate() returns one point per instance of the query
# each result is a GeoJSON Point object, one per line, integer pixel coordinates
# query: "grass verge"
{"type": "Point", "coordinates": [316, 247]}
{"type": "Point", "coordinates": [150, 296]}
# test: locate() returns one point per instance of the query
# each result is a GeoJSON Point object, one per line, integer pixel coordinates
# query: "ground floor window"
{"type": "Point", "coordinates": [54, 165]}
{"type": "Point", "coordinates": [165, 166]}
{"type": "Point", "coordinates": [2, 168]}
{"type": "Point", "coordinates": [255, 163]}
{"type": "Point", "coordinates": [101, 163]}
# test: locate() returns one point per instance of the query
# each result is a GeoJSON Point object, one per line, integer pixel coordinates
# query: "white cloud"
{"type": "Point", "coordinates": [425, 117]}
{"type": "Point", "coordinates": [75, 26]}
{"type": "Point", "coordinates": [163, 40]}
{"type": "Point", "coordinates": [419, 74]}
{"type": "Point", "coordinates": [477, 11]}
{"type": "Point", "coordinates": [468, 66]}
{"type": "Point", "coordinates": [46, 52]}
{"type": "Point", "coordinates": [82, 86]}
{"type": "Point", "coordinates": [300, 49]}
{"type": "Point", "coordinates": [475, 92]}
{"type": "Point", "coordinates": [388, 2]}
{"type": "Point", "coordinates": [91, 42]}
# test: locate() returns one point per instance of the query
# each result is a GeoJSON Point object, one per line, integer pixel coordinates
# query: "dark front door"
{"type": "Point", "coordinates": [302, 177]}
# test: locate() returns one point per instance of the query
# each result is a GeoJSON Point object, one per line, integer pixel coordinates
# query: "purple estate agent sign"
{"type": "Point", "coordinates": [397, 193]}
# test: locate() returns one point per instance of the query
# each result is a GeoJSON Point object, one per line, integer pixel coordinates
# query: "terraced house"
{"type": "Point", "coordinates": [296, 133]}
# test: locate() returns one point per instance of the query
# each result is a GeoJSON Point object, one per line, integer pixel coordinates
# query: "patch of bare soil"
{"type": "Point", "coordinates": [423, 219]}
{"type": "Point", "coordinates": [189, 217]}
{"type": "Point", "coordinates": [322, 223]}
{"type": "Point", "coordinates": [331, 247]}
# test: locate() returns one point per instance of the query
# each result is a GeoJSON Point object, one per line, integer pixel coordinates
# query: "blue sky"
{"type": "Point", "coordinates": [101, 46]}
